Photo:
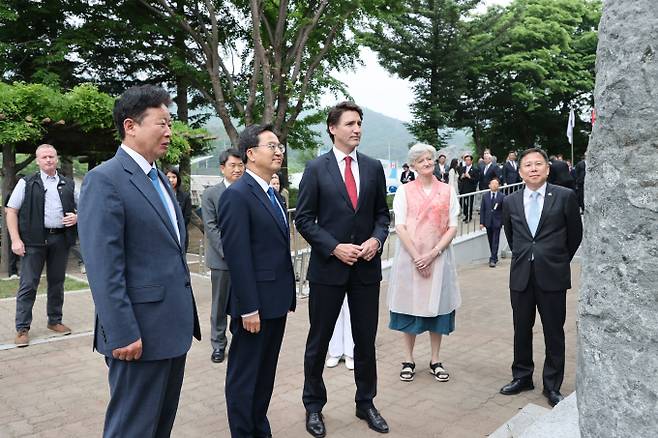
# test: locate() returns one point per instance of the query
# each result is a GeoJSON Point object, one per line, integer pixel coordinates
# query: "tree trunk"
{"type": "Point", "coordinates": [8, 178]}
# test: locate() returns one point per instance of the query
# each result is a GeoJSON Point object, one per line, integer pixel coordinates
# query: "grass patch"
{"type": "Point", "coordinates": [8, 288]}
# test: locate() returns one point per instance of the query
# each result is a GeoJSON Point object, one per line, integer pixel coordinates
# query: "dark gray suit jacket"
{"type": "Point", "coordinates": [213, 234]}
{"type": "Point", "coordinates": [558, 236]}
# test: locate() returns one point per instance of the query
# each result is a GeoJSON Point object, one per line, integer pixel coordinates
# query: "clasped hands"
{"type": "Point", "coordinates": [423, 262]}
{"type": "Point", "coordinates": [350, 253]}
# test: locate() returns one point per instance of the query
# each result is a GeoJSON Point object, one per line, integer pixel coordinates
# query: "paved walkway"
{"type": "Point", "coordinates": [59, 389]}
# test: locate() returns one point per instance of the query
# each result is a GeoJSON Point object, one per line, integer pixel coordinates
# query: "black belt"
{"type": "Point", "coordinates": [54, 230]}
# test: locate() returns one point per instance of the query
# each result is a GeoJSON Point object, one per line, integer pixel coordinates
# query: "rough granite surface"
{"type": "Point", "coordinates": [617, 378]}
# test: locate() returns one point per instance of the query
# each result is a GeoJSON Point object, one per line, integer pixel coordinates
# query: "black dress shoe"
{"type": "Point", "coordinates": [554, 397]}
{"type": "Point", "coordinates": [516, 386]}
{"type": "Point", "coordinates": [315, 424]}
{"type": "Point", "coordinates": [375, 421]}
{"type": "Point", "coordinates": [217, 356]}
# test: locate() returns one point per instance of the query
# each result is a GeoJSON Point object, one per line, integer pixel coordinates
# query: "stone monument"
{"type": "Point", "coordinates": [617, 378]}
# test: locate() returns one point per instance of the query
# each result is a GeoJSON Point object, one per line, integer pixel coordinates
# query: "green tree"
{"type": "Point", "coordinates": [426, 44]}
{"type": "Point", "coordinates": [528, 65]}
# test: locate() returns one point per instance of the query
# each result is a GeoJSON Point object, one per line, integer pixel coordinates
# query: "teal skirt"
{"type": "Point", "coordinates": [415, 325]}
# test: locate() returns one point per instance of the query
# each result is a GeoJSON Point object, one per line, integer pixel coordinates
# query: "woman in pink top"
{"type": "Point", "coordinates": [423, 291]}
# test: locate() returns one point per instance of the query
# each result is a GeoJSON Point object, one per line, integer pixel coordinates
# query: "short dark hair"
{"type": "Point", "coordinates": [441, 155]}
{"type": "Point", "coordinates": [469, 156]}
{"type": "Point", "coordinates": [405, 165]}
{"type": "Point", "coordinates": [336, 111]}
{"type": "Point", "coordinates": [494, 178]}
{"type": "Point", "coordinates": [249, 138]}
{"type": "Point", "coordinates": [531, 151]}
{"type": "Point", "coordinates": [134, 102]}
{"type": "Point", "coordinates": [230, 152]}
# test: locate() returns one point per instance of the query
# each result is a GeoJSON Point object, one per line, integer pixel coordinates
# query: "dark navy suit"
{"type": "Point", "coordinates": [491, 216]}
{"type": "Point", "coordinates": [141, 288]}
{"type": "Point", "coordinates": [325, 218]}
{"type": "Point", "coordinates": [257, 250]}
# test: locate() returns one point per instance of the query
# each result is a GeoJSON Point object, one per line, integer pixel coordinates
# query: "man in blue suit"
{"type": "Point", "coordinates": [131, 229]}
{"type": "Point", "coordinates": [491, 218]}
{"type": "Point", "coordinates": [256, 241]}
{"type": "Point", "coordinates": [342, 213]}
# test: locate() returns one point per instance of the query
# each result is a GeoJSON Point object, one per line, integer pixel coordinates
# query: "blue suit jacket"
{"type": "Point", "coordinates": [257, 252]}
{"type": "Point", "coordinates": [325, 217]}
{"type": "Point", "coordinates": [135, 264]}
{"type": "Point", "coordinates": [491, 212]}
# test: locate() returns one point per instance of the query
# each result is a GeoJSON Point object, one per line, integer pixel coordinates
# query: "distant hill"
{"type": "Point", "coordinates": [382, 135]}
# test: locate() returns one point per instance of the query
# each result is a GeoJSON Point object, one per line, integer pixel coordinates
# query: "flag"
{"type": "Point", "coordinates": [570, 125]}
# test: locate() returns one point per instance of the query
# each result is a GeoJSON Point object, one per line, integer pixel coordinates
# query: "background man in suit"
{"type": "Point", "coordinates": [488, 170]}
{"type": "Point", "coordinates": [543, 230]}
{"type": "Point", "coordinates": [511, 170]}
{"type": "Point", "coordinates": [256, 245]}
{"type": "Point", "coordinates": [469, 175]}
{"type": "Point", "coordinates": [41, 222]}
{"type": "Point", "coordinates": [132, 237]}
{"type": "Point", "coordinates": [491, 218]}
{"type": "Point", "coordinates": [232, 167]}
{"type": "Point", "coordinates": [342, 213]}
{"type": "Point", "coordinates": [560, 174]}
{"type": "Point", "coordinates": [406, 175]}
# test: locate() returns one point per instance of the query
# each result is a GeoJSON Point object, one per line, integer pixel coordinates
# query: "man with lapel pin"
{"type": "Point", "coordinates": [491, 218]}
{"type": "Point", "coordinates": [543, 228]}
{"type": "Point", "coordinates": [342, 213]}
{"type": "Point", "coordinates": [256, 242]}
{"type": "Point", "coordinates": [511, 170]}
{"type": "Point", "coordinates": [132, 238]}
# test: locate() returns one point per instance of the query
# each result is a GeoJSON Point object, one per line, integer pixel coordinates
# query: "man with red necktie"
{"type": "Point", "coordinates": [342, 213]}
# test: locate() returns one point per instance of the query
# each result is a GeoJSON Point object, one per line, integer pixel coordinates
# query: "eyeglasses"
{"type": "Point", "coordinates": [274, 147]}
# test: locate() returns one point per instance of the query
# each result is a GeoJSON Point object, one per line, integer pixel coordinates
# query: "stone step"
{"type": "Point", "coordinates": [535, 421]}
{"type": "Point", "coordinates": [520, 422]}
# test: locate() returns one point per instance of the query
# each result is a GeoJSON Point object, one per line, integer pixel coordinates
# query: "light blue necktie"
{"type": "Point", "coordinates": [277, 207]}
{"type": "Point", "coordinates": [153, 175]}
{"type": "Point", "coordinates": [533, 213]}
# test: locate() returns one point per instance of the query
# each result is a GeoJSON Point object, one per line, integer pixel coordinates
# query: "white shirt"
{"type": "Point", "coordinates": [340, 158]}
{"type": "Point", "coordinates": [400, 206]}
{"type": "Point", "coordinates": [526, 199]}
{"type": "Point", "coordinates": [486, 168]}
{"type": "Point", "coordinates": [53, 212]}
{"type": "Point", "coordinates": [146, 168]}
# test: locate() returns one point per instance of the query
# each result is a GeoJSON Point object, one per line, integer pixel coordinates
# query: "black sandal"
{"type": "Point", "coordinates": [439, 373]}
{"type": "Point", "coordinates": [407, 373]}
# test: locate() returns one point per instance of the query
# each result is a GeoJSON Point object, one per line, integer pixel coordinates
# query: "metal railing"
{"type": "Point", "coordinates": [301, 250]}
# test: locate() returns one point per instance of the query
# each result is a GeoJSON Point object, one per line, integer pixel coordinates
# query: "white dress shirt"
{"type": "Point", "coordinates": [340, 158]}
{"type": "Point", "coordinates": [146, 168]}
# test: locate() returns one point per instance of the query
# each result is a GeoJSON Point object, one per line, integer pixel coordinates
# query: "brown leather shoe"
{"type": "Point", "coordinates": [60, 329]}
{"type": "Point", "coordinates": [22, 338]}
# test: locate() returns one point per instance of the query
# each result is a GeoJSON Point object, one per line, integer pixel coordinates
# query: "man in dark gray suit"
{"type": "Point", "coordinates": [232, 167]}
{"type": "Point", "coordinates": [543, 230]}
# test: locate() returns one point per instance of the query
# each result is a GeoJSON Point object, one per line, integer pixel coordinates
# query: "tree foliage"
{"type": "Point", "coordinates": [426, 45]}
{"type": "Point", "coordinates": [509, 75]}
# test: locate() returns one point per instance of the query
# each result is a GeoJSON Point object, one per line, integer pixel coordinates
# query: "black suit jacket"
{"type": "Point", "coordinates": [558, 236]}
{"type": "Point", "coordinates": [257, 252]}
{"type": "Point", "coordinates": [486, 177]}
{"type": "Point", "coordinates": [560, 175]}
{"type": "Point", "coordinates": [468, 185]}
{"type": "Point", "coordinates": [325, 217]}
{"type": "Point", "coordinates": [511, 174]}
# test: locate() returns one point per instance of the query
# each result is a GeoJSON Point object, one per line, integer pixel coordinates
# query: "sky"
{"type": "Point", "coordinates": [373, 87]}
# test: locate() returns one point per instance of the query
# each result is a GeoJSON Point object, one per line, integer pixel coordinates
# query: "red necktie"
{"type": "Point", "coordinates": [350, 183]}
